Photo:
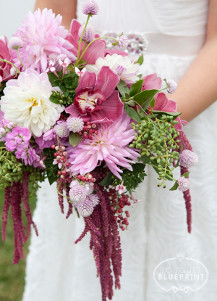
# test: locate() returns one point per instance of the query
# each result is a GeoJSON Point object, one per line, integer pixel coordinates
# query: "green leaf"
{"type": "Point", "coordinates": [107, 180]}
{"type": "Point", "coordinates": [140, 60]}
{"type": "Point", "coordinates": [186, 175]}
{"type": "Point", "coordinates": [136, 88]}
{"type": "Point", "coordinates": [122, 88]}
{"type": "Point", "coordinates": [51, 169]}
{"type": "Point", "coordinates": [54, 80]}
{"type": "Point", "coordinates": [74, 139]}
{"type": "Point", "coordinates": [132, 113]}
{"type": "Point", "coordinates": [175, 186]}
{"type": "Point", "coordinates": [174, 114]}
{"type": "Point", "coordinates": [144, 98]}
{"type": "Point", "coordinates": [55, 97]}
{"type": "Point", "coordinates": [145, 159]}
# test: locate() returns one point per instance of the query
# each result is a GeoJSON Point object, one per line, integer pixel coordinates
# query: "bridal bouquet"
{"type": "Point", "coordinates": [81, 115]}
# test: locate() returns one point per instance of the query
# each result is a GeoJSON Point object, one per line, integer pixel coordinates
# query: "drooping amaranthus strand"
{"type": "Point", "coordinates": [105, 243]}
{"type": "Point", "coordinates": [187, 196]}
{"type": "Point", "coordinates": [15, 195]}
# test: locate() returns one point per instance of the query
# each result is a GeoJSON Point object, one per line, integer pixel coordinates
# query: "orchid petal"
{"type": "Point", "coordinates": [107, 81]}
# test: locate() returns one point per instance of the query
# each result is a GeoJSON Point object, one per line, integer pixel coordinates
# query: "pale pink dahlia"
{"type": "Point", "coordinates": [111, 145]}
{"type": "Point", "coordinates": [42, 35]}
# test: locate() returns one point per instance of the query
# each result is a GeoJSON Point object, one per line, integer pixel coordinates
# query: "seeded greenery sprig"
{"type": "Point", "coordinates": [157, 143]}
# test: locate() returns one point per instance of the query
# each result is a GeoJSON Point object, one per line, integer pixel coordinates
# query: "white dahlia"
{"type": "Point", "coordinates": [121, 65]}
{"type": "Point", "coordinates": [26, 102]}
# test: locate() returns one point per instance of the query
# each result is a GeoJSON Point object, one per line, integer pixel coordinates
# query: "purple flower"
{"type": "Point", "coordinates": [172, 85]}
{"type": "Point", "coordinates": [123, 41]}
{"type": "Point", "coordinates": [18, 136]}
{"type": "Point", "coordinates": [90, 8]}
{"type": "Point", "coordinates": [28, 155]}
{"type": "Point", "coordinates": [183, 183]}
{"type": "Point", "coordinates": [61, 129]}
{"type": "Point", "coordinates": [46, 140]}
{"type": "Point", "coordinates": [188, 158]}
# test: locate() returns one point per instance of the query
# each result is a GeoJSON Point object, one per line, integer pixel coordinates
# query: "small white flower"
{"type": "Point", "coordinates": [120, 188]}
{"type": "Point", "coordinates": [75, 124]}
{"type": "Point", "coordinates": [172, 86]}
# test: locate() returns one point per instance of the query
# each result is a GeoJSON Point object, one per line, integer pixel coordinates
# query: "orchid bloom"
{"type": "Point", "coordinates": [96, 99]}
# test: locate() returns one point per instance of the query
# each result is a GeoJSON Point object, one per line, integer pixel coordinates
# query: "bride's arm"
{"type": "Point", "coordinates": [67, 8]}
{"type": "Point", "coordinates": [198, 88]}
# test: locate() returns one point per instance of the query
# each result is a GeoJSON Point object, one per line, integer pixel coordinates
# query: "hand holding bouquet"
{"type": "Point", "coordinates": [82, 116]}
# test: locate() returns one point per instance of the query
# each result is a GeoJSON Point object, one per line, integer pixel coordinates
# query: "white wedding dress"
{"type": "Point", "coordinates": [58, 270]}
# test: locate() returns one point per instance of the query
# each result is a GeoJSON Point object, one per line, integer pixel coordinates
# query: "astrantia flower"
{"type": "Point", "coordinates": [96, 99]}
{"type": "Point", "coordinates": [41, 34]}
{"type": "Point", "coordinates": [183, 183]}
{"type": "Point", "coordinates": [26, 102]}
{"type": "Point", "coordinates": [188, 158]}
{"type": "Point", "coordinates": [122, 66]}
{"type": "Point", "coordinates": [75, 124]}
{"type": "Point", "coordinates": [90, 8]}
{"type": "Point", "coordinates": [111, 145]}
{"type": "Point", "coordinates": [61, 129]}
{"type": "Point", "coordinates": [120, 188]}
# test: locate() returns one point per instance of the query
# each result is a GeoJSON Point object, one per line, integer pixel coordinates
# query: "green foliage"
{"type": "Point", "coordinates": [11, 170]}
{"type": "Point", "coordinates": [123, 89]}
{"type": "Point", "coordinates": [107, 180]}
{"type": "Point", "coordinates": [67, 83]}
{"type": "Point", "coordinates": [136, 87]}
{"type": "Point", "coordinates": [157, 141]}
{"type": "Point", "coordinates": [145, 98]}
{"type": "Point", "coordinates": [132, 113]}
{"type": "Point", "coordinates": [131, 179]}
{"type": "Point", "coordinates": [140, 60]}
{"type": "Point", "coordinates": [51, 169]}
{"type": "Point", "coordinates": [74, 139]}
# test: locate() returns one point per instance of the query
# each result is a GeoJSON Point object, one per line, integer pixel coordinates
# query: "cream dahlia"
{"type": "Point", "coordinates": [121, 65]}
{"type": "Point", "coordinates": [26, 102]}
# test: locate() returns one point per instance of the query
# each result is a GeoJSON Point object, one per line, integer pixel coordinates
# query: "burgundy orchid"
{"type": "Point", "coordinates": [96, 98]}
{"type": "Point", "coordinates": [96, 50]}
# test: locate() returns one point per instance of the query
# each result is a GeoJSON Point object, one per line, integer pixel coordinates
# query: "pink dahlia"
{"type": "Point", "coordinates": [42, 35]}
{"type": "Point", "coordinates": [96, 50]}
{"type": "Point", "coordinates": [111, 145]}
{"type": "Point", "coordinates": [96, 98]}
{"type": "Point", "coordinates": [5, 55]}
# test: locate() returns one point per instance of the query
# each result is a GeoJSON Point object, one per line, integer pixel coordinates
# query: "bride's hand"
{"type": "Point", "coordinates": [198, 88]}
{"type": "Point", "coordinates": [66, 8]}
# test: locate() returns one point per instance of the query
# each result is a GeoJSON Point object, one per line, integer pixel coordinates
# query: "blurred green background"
{"type": "Point", "coordinates": [11, 276]}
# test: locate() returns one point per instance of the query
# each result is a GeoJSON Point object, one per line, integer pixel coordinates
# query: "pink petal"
{"type": "Point", "coordinates": [87, 81]}
{"type": "Point", "coordinates": [96, 50]}
{"type": "Point", "coordinates": [74, 29]}
{"type": "Point", "coordinates": [72, 110]}
{"type": "Point", "coordinates": [151, 81]}
{"type": "Point", "coordinates": [113, 106]}
{"type": "Point", "coordinates": [107, 81]}
{"type": "Point", "coordinates": [160, 102]}
{"type": "Point", "coordinates": [171, 106]}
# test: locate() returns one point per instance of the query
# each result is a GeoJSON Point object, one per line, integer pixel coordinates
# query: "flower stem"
{"type": "Point", "coordinates": [18, 53]}
{"type": "Point", "coordinates": [80, 41]}
{"type": "Point", "coordinates": [8, 62]}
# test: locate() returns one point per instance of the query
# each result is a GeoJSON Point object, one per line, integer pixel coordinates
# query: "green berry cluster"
{"type": "Point", "coordinates": [156, 138]}
{"type": "Point", "coordinates": [11, 170]}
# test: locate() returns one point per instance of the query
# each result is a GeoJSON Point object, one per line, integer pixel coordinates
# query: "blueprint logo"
{"type": "Point", "coordinates": [181, 274]}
